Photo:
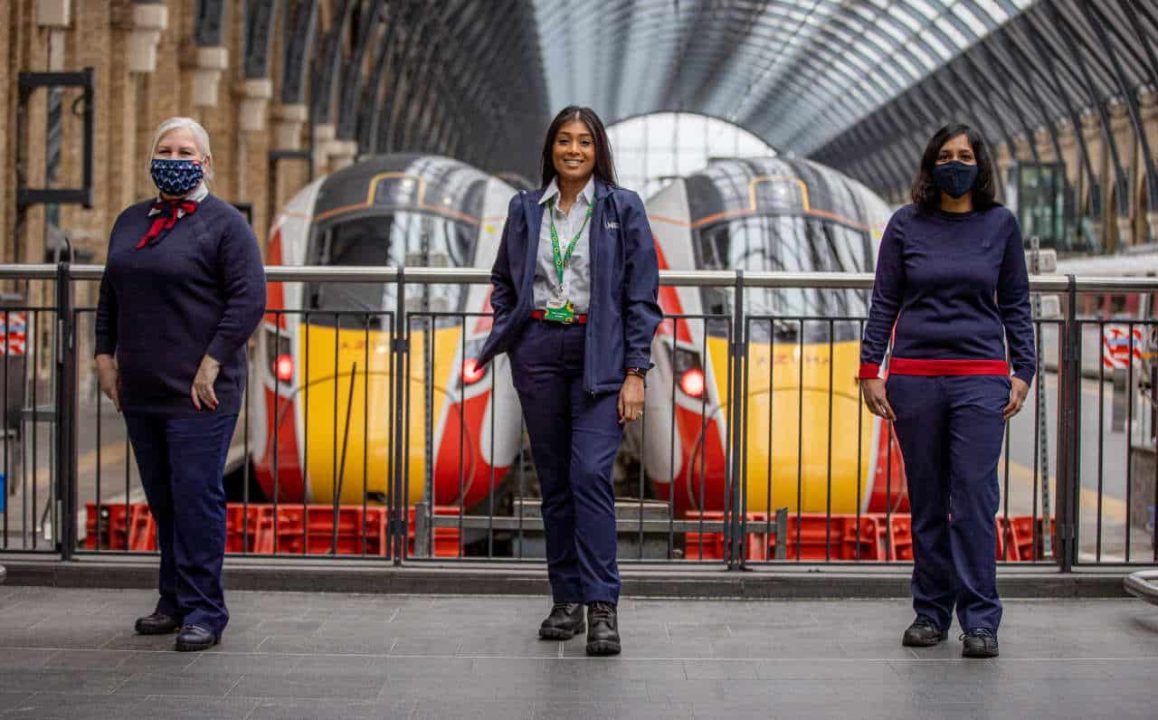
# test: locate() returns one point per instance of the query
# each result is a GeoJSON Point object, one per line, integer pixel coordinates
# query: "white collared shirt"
{"type": "Point", "coordinates": [576, 285]}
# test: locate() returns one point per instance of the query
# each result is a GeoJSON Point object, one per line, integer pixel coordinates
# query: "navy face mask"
{"type": "Point", "coordinates": [176, 177]}
{"type": "Point", "coordinates": [955, 178]}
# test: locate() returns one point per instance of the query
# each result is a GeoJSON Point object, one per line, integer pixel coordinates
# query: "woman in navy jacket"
{"type": "Point", "coordinates": [574, 294]}
{"type": "Point", "coordinates": [952, 291]}
{"type": "Point", "coordinates": [182, 292]}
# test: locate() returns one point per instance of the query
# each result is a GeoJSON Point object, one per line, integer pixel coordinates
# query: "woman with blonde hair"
{"type": "Point", "coordinates": [182, 292]}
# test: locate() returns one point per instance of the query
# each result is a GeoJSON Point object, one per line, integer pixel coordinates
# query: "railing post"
{"type": "Point", "coordinates": [735, 521]}
{"type": "Point", "coordinates": [400, 348]}
{"type": "Point", "coordinates": [64, 403]}
{"type": "Point", "coordinates": [1069, 441]}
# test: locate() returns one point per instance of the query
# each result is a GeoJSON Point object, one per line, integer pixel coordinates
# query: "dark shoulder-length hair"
{"type": "Point", "coordinates": [927, 195]}
{"type": "Point", "coordinates": [604, 164]}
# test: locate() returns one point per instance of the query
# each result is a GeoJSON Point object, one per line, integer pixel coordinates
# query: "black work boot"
{"type": "Point", "coordinates": [603, 629]}
{"type": "Point", "coordinates": [979, 643]}
{"type": "Point", "coordinates": [156, 624]}
{"type": "Point", "coordinates": [195, 637]}
{"type": "Point", "coordinates": [564, 622]}
{"type": "Point", "coordinates": [923, 633]}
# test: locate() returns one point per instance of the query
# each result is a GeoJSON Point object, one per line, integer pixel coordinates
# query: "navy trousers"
{"type": "Point", "coordinates": [950, 431]}
{"type": "Point", "coordinates": [182, 461]}
{"type": "Point", "coordinates": [574, 439]}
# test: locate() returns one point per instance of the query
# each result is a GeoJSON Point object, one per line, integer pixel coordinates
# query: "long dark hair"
{"type": "Point", "coordinates": [927, 195]}
{"type": "Point", "coordinates": [604, 165]}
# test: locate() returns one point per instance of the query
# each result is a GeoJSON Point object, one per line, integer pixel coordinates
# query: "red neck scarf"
{"type": "Point", "coordinates": [167, 213]}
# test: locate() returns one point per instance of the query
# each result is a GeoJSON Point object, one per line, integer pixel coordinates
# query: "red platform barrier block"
{"type": "Point", "coordinates": [142, 530]}
{"type": "Point", "coordinates": [107, 526]}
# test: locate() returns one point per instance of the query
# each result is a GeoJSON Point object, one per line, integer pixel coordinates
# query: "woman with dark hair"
{"type": "Point", "coordinates": [952, 292]}
{"type": "Point", "coordinates": [575, 286]}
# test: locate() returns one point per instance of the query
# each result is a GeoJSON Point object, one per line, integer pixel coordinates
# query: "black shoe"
{"type": "Point", "coordinates": [979, 643]}
{"type": "Point", "coordinates": [923, 633]}
{"type": "Point", "coordinates": [194, 638]}
{"type": "Point", "coordinates": [156, 624]}
{"type": "Point", "coordinates": [564, 622]}
{"type": "Point", "coordinates": [603, 629]}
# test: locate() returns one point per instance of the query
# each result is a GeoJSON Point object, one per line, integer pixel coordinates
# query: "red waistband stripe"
{"type": "Point", "coordinates": [936, 367]}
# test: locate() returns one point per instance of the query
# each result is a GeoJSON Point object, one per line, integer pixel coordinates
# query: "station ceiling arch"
{"type": "Point", "coordinates": [856, 84]}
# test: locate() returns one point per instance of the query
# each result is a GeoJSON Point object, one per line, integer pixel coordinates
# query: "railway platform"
{"type": "Point", "coordinates": [71, 653]}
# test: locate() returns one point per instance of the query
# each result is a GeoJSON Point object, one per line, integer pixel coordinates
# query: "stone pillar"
{"type": "Point", "coordinates": [1021, 152]}
{"type": "Point", "coordinates": [255, 94]}
{"type": "Point", "coordinates": [54, 13]}
{"type": "Point", "coordinates": [1044, 144]}
{"type": "Point", "coordinates": [288, 121]}
{"type": "Point", "coordinates": [1148, 106]}
{"type": "Point", "coordinates": [148, 22]}
{"type": "Point", "coordinates": [1096, 147]}
{"type": "Point", "coordinates": [211, 63]}
{"type": "Point", "coordinates": [324, 134]}
{"type": "Point", "coordinates": [1071, 153]}
{"type": "Point", "coordinates": [1124, 137]}
{"type": "Point", "coordinates": [342, 153]}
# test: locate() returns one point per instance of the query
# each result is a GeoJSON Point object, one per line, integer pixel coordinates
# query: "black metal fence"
{"type": "Point", "coordinates": [369, 432]}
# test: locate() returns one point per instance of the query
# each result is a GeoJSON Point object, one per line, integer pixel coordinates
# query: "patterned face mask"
{"type": "Point", "coordinates": [176, 177]}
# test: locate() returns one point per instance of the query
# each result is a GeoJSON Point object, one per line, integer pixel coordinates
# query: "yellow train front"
{"type": "Point", "coordinates": [324, 386]}
{"type": "Point", "coordinates": [810, 446]}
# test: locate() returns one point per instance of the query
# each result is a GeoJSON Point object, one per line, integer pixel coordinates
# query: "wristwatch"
{"type": "Point", "coordinates": [640, 373]}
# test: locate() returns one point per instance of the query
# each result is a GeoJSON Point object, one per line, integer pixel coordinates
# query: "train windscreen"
{"type": "Point", "coordinates": [788, 243]}
{"type": "Point", "coordinates": [406, 239]}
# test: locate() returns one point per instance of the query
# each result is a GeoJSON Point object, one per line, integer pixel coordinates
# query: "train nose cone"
{"type": "Point", "coordinates": [807, 450]}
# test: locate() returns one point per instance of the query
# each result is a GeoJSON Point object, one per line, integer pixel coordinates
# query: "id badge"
{"type": "Point", "coordinates": [564, 313]}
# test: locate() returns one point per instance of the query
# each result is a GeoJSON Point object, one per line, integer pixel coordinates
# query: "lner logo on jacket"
{"type": "Point", "coordinates": [623, 312]}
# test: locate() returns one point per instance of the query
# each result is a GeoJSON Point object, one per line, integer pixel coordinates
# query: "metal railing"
{"type": "Point", "coordinates": [769, 459]}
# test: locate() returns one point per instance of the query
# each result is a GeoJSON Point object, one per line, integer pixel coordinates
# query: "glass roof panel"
{"type": "Point", "coordinates": [799, 71]}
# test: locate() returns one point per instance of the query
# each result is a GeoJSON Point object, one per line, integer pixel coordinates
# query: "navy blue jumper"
{"type": "Point", "coordinates": [952, 293]}
{"type": "Point", "coordinates": [198, 289]}
{"type": "Point", "coordinates": [568, 378]}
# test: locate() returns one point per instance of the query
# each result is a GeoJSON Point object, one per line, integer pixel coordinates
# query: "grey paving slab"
{"type": "Point", "coordinates": [165, 707]}
{"type": "Point", "coordinates": [77, 706]}
{"type": "Point", "coordinates": [553, 710]}
{"type": "Point", "coordinates": [72, 654]}
{"type": "Point", "coordinates": [180, 684]}
{"type": "Point", "coordinates": [438, 709]}
{"type": "Point", "coordinates": [307, 685]}
{"type": "Point", "coordinates": [62, 681]}
{"type": "Point", "coordinates": [13, 700]}
{"type": "Point", "coordinates": [331, 709]}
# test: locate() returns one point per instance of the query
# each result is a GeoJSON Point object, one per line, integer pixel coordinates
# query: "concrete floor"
{"type": "Point", "coordinates": [71, 654]}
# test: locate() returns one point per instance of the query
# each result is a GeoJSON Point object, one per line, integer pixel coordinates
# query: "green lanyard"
{"type": "Point", "coordinates": [561, 258]}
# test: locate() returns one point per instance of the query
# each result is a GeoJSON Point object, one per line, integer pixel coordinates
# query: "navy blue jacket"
{"type": "Point", "coordinates": [198, 290]}
{"type": "Point", "coordinates": [952, 291]}
{"type": "Point", "coordinates": [623, 314]}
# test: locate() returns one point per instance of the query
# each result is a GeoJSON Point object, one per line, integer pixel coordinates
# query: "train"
{"type": "Point", "coordinates": [811, 446]}
{"type": "Point", "coordinates": [324, 380]}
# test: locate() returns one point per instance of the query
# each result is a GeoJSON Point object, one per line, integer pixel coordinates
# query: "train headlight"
{"type": "Point", "coordinates": [689, 372]}
{"type": "Point", "coordinates": [284, 368]}
{"type": "Point", "coordinates": [281, 360]}
{"type": "Point", "coordinates": [472, 372]}
{"type": "Point", "coordinates": [692, 383]}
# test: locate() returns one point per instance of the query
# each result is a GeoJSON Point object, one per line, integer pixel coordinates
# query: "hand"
{"type": "Point", "coordinates": [1018, 390]}
{"type": "Point", "coordinates": [202, 391]}
{"type": "Point", "coordinates": [876, 399]}
{"type": "Point", "coordinates": [631, 399]}
{"type": "Point", "coordinates": [109, 378]}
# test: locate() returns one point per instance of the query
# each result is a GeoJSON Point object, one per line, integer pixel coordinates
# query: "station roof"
{"type": "Point", "coordinates": [796, 72]}
{"type": "Point", "coordinates": [858, 85]}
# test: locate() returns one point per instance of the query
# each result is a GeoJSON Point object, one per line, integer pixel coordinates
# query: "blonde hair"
{"type": "Point", "coordinates": [200, 136]}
